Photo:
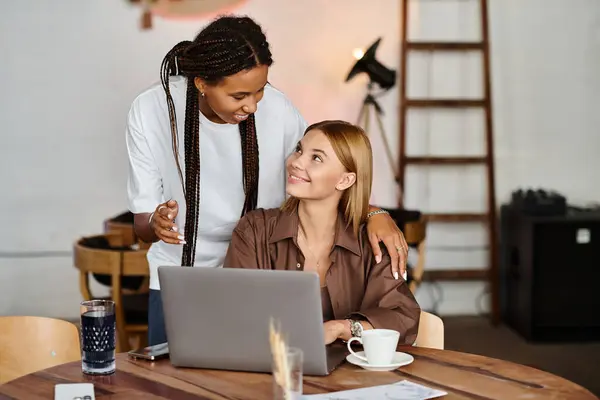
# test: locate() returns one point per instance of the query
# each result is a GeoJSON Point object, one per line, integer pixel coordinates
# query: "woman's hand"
{"type": "Point", "coordinates": [334, 330]}
{"type": "Point", "coordinates": [340, 329]}
{"type": "Point", "coordinates": [162, 223]}
{"type": "Point", "coordinates": [381, 227]}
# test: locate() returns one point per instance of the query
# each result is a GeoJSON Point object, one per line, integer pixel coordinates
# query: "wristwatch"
{"type": "Point", "coordinates": [356, 328]}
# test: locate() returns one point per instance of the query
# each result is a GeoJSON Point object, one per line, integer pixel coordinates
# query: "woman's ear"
{"type": "Point", "coordinates": [347, 180]}
{"type": "Point", "coordinates": [200, 85]}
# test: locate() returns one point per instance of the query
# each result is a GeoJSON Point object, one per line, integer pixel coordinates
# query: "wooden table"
{"type": "Point", "coordinates": [463, 376]}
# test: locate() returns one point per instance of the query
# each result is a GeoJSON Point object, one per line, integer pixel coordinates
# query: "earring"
{"type": "Point", "coordinates": [202, 94]}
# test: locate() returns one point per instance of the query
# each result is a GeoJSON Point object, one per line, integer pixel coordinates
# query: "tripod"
{"type": "Point", "coordinates": [370, 105]}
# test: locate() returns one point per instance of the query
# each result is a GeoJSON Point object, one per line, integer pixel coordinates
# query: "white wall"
{"type": "Point", "coordinates": [71, 68]}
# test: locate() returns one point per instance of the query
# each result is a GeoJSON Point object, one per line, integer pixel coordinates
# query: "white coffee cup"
{"type": "Point", "coordinates": [379, 344]}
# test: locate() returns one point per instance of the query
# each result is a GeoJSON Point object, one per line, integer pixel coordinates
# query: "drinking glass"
{"type": "Point", "coordinates": [292, 390]}
{"type": "Point", "coordinates": [98, 337]}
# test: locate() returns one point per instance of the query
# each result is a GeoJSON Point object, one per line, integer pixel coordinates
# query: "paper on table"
{"type": "Point", "coordinates": [403, 390]}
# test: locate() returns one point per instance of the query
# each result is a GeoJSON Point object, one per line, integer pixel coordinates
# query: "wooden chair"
{"type": "Point", "coordinates": [130, 308]}
{"type": "Point", "coordinates": [123, 224]}
{"type": "Point", "coordinates": [29, 344]}
{"type": "Point", "coordinates": [431, 331]}
{"type": "Point", "coordinates": [415, 235]}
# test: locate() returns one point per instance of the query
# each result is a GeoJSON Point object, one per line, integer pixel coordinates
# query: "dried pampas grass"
{"type": "Point", "coordinates": [281, 367]}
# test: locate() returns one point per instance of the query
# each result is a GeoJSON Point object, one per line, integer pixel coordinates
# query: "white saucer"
{"type": "Point", "coordinates": [400, 359]}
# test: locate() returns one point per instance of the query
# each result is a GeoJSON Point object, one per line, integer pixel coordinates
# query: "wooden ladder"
{"type": "Point", "coordinates": [490, 273]}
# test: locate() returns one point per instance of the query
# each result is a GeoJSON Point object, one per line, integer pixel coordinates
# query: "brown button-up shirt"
{"type": "Point", "coordinates": [358, 287]}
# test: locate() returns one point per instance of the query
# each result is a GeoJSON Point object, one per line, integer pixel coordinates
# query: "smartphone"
{"type": "Point", "coordinates": [71, 391]}
{"type": "Point", "coordinates": [151, 353]}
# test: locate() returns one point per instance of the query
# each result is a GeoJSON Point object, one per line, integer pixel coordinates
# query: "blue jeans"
{"type": "Point", "coordinates": [157, 333]}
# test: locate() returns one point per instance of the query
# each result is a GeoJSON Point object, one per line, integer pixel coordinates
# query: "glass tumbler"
{"type": "Point", "coordinates": [98, 337]}
{"type": "Point", "coordinates": [288, 386]}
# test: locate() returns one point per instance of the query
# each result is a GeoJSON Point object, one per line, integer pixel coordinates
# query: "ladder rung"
{"type": "Point", "coordinates": [455, 275]}
{"type": "Point", "coordinates": [456, 217]}
{"type": "Point", "coordinates": [445, 103]}
{"type": "Point", "coordinates": [445, 46]}
{"type": "Point", "coordinates": [445, 160]}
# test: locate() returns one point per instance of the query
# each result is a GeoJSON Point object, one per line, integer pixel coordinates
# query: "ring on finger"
{"type": "Point", "coordinates": [401, 249]}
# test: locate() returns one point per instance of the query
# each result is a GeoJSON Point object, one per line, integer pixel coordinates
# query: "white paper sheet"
{"type": "Point", "coordinates": [403, 390]}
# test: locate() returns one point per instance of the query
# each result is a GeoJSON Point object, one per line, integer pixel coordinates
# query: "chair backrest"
{"type": "Point", "coordinates": [29, 344]}
{"type": "Point", "coordinates": [109, 261]}
{"type": "Point", "coordinates": [415, 235]}
{"type": "Point", "coordinates": [431, 331]}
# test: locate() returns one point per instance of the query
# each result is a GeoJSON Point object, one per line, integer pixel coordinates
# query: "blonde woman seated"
{"type": "Point", "coordinates": [321, 228]}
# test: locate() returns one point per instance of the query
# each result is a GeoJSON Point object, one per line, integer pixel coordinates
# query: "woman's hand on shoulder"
{"type": "Point", "coordinates": [382, 228]}
{"type": "Point", "coordinates": [163, 225]}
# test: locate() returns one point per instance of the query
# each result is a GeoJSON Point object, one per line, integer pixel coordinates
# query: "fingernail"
{"type": "Point", "coordinates": [396, 275]}
{"type": "Point", "coordinates": [182, 242]}
{"type": "Point", "coordinates": [181, 237]}
{"type": "Point", "coordinates": [378, 258]}
{"type": "Point", "coordinates": [170, 216]}
{"type": "Point", "coordinates": [174, 229]}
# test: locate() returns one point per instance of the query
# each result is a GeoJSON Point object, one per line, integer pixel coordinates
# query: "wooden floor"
{"type": "Point", "coordinates": [577, 362]}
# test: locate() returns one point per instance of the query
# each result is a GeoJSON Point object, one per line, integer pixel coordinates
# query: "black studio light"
{"type": "Point", "coordinates": [385, 78]}
{"type": "Point", "coordinates": [377, 72]}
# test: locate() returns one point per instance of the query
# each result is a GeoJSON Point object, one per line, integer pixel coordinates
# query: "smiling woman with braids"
{"type": "Point", "coordinates": [203, 152]}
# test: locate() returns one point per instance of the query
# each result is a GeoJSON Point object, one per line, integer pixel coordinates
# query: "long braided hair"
{"type": "Point", "coordinates": [225, 47]}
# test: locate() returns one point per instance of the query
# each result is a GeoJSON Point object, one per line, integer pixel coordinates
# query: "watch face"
{"type": "Point", "coordinates": [356, 329]}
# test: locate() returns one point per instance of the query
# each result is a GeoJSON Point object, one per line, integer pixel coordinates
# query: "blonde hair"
{"type": "Point", "coordinates": [353, 148]}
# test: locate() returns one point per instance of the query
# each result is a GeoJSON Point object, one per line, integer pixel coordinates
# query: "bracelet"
{"type": "Point", "coordinates": [380, 211]}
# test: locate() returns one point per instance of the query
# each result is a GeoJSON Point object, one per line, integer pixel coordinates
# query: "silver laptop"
{"type": "Point", "coordinates": [218, 318]}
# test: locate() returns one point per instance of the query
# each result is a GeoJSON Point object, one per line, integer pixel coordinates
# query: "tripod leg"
{"type": "Point", "coordinates": [387, 145]}
{"type": "Point", "coordinates": [361, 115]}
{"type": "Point", "coordinates": [388, 150]}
